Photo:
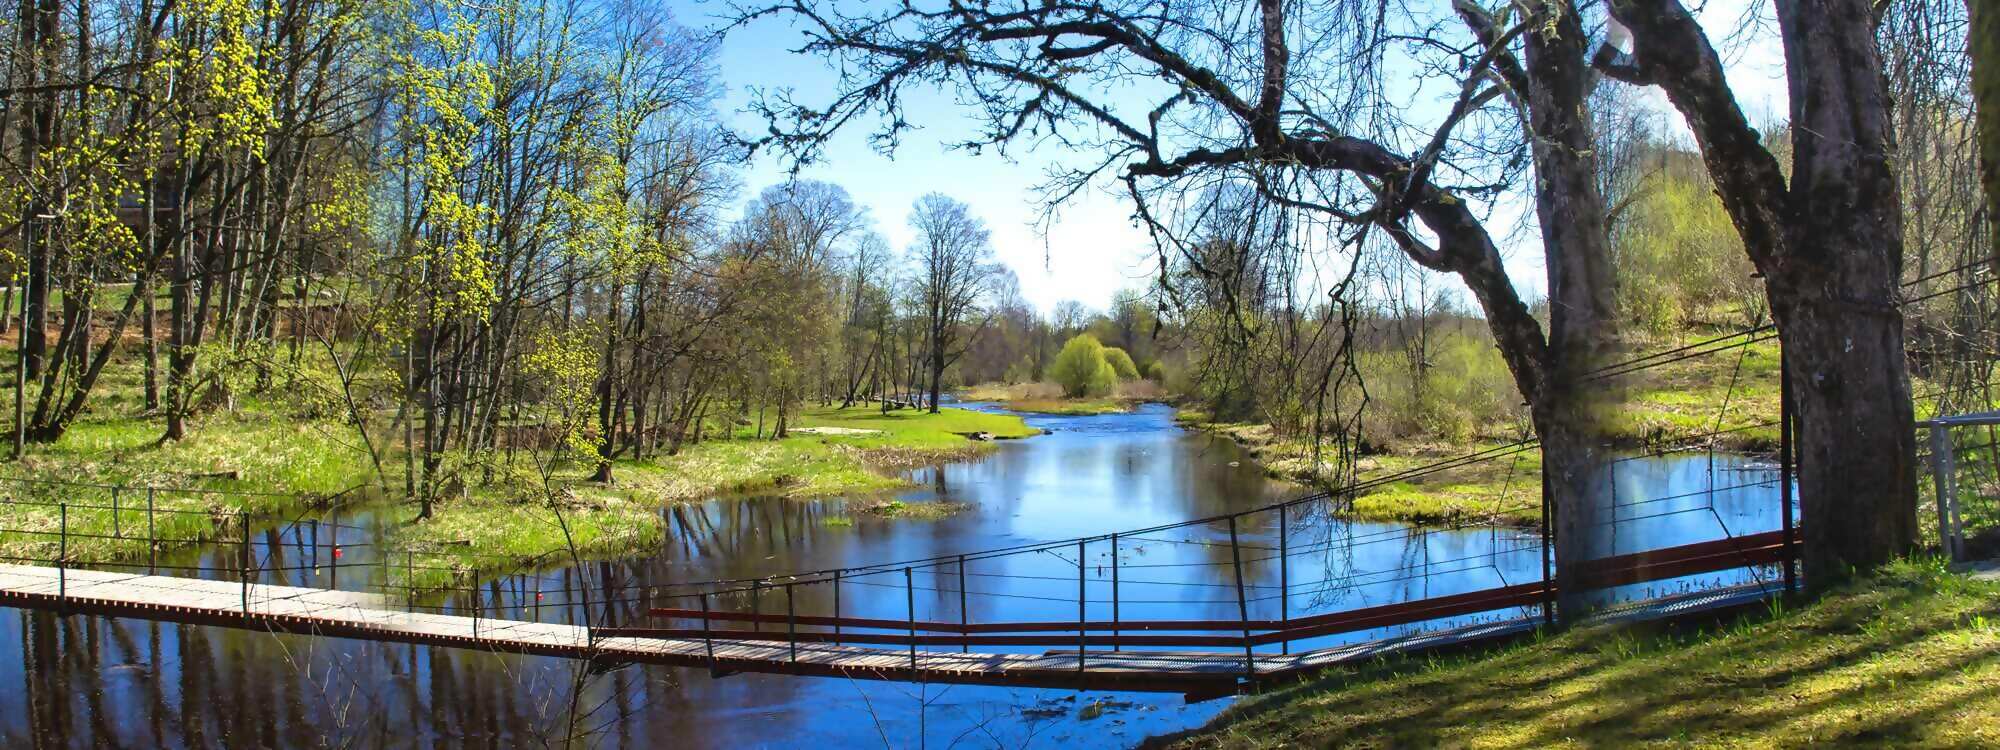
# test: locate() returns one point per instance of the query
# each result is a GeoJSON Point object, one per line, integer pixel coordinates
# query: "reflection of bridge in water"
{"type": "Point", "coordinates": [1197, 657]}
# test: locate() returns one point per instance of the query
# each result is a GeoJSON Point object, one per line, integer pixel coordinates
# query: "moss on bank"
{"type": "Point", "coordinates": [1909, 658]}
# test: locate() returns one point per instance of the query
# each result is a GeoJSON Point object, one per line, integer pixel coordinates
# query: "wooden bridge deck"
{"type": "Point", "coordinates": [363, 616]}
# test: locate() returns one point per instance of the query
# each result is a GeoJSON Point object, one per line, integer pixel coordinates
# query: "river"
{"type": "Point", "coordinates": [90, 681]}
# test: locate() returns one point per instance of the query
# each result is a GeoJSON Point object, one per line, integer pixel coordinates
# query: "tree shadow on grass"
{"type": "Point", "coordinates": [1879, 664]}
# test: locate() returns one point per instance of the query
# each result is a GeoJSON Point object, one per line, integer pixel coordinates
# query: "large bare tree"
{"type": "Point", "coordinates": [1174, 99]}
{"type": "Point", "coordinates": [1829, 243]}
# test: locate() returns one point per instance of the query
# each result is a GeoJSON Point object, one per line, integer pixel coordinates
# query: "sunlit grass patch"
{"type": "Point", "coordinates": [466, 541]}
{"type": "Point", "coordinates": [1909, 658]}
{"type": "Point", "coordinates": [1048, 398]}
{"type": "Point", "coordinates": [926, 511]}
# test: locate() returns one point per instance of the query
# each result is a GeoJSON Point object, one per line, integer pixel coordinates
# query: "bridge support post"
{"type": "Point", "coordinates": [152, 539]}
{"type": "Point", "coordinates": [1115, 644]}
{"type": "Point", "coordinates": [1242, 601]}
{"type": "Point", "coordinates": [1284, 573]}
{"type": "Point", "coordinates": [243, 560]}
{"type": "Point", "coordinates": [1082, 609]}
{"type": "Point", "coordinates": [757, 605]}
{"type": "Point", "coordinates": [836, 608]}
{"type": "Point", "coordinates": [964, 615]}
{"type": "Point", "coordinates": [334, 567]}
{"type": "Point", "coordinates": [910, 606]}
{"type": "Point", "coordinates": [707, 636]}
{"type": "Point", "coordinates": [117, 528]}
{"type": "Point", "coordinates": [62, 555]}
{"type": "Point", "coordinates": [791, 624]}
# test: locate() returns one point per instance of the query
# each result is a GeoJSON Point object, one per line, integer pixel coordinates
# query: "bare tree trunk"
{"type": "Point", "coordinates": [1984, 35]}
{"type": "Point", "coordinates": [1830, 246]}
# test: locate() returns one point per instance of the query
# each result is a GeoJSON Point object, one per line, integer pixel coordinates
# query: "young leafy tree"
{"type": "Point", "coordinates": [1121, 363]}
{"type": "Point", "coordinates": [1080, 368]}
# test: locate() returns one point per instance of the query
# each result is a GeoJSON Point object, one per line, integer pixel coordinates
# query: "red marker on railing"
{"type": "Point", "coordinates": [336, 553]}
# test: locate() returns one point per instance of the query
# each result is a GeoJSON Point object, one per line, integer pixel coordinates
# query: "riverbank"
{"type": "Point", "coordinates": [830, 451]}
{"type": "Point", "coordinates": [263, 458]}
{"type": "Point", "coordinates": [1047, 398]}
{"type": "Point", "coordinates": [1505, 490]}
{"type": "Point", "coordinates": [1907, 658]}
{"type": "Point", "coordinates": [1727, 401]}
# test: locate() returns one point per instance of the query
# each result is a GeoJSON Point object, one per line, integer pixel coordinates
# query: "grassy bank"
{"type": "Point", "coordinates": [249, 461]}
{"type": "Point", "coordinates": [1048, 398]}
{"type": "Point", "coordinates": [1503, 490]}
{"type": "Point", "coordinates": [275, 454]}
{"type": "Point", "coordinates": [1909, 658]}
{"type": "Point", "coordinates": [1718, 400]}
{"type": "Point", "coordinates": [830, 451]}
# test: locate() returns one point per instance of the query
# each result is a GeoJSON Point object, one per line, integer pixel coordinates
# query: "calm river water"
{"type": "Point", "coordinates": [89, 681]}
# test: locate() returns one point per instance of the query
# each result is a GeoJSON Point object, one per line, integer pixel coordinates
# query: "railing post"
{"type": "Point", "coordinates": [964, 615]}
{"type": "Point", "coordinates": [472, 591]}
{"type": "Point", "coordinates": [334, 567]}
{"type": "Point", "coordinates": [836, 608]}
{"type": "Point", "coordinates": [152, 538]}
{"type": "Point", "coordinates": [1115, 644]}
{"type": "Point", "coordinates": [243, 560]}
{"type": "Point", "coordinates": [1284, 575]}
{"type": "Point", "coordinates": [1082, 609]}
{"type": "Point", "coordinates": [791, 623]}
{"type": "Point", "coordinates": [910, 606]}
{"type": "Point", "coordinates": [707, 635]}
{"type": "Point", "coordinates": [756, 605]}
{"type": "Point", "coordinates": [117, 528]}
{"type": "Point", "coordinates": [410, 581]}
{"type": "Point", "coordinates": [1242, 602]}
{"type": "Point", "coordinates": [1944, 476]}
{"type": "Point", "coordinates": [62, 555]}
{"type": "Point", "coordinates": [1785, 468]}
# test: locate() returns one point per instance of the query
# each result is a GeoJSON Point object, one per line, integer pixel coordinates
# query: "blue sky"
{"type": "Point", "coordinates": [1092, 249]}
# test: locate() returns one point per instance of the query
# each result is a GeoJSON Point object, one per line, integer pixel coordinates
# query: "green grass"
{"type": "Point", "coordinates": [465, 541]}
{"type": "Point", "coordinates": [1910, 658]}
{"type": "Point", "coordinates": [1505, 490]}
{"type": "Point", "coordinates": [808, 465]}
{"type": "Point", "coordinates": [1046, 398]}
{"type": "Point", "coordinates": [270, 454]}
{"type": "Point", "coordinates": [489, 532]}
{"type": "Point", "coordinates": [1728, 393]}
{"type": "Point", "coordinates": [1080, 407]}
{"type": "Point", "coordinates": [254, 461]}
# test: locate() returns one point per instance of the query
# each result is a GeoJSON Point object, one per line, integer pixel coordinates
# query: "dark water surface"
{"type": "Point", "coordinates": [91, 681]}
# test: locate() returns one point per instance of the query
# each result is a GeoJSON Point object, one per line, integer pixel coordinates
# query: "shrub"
{"type": "Point", "coordinates": [1080, 368]}
{"type": "Point", "coordinates": [1121, 363]}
